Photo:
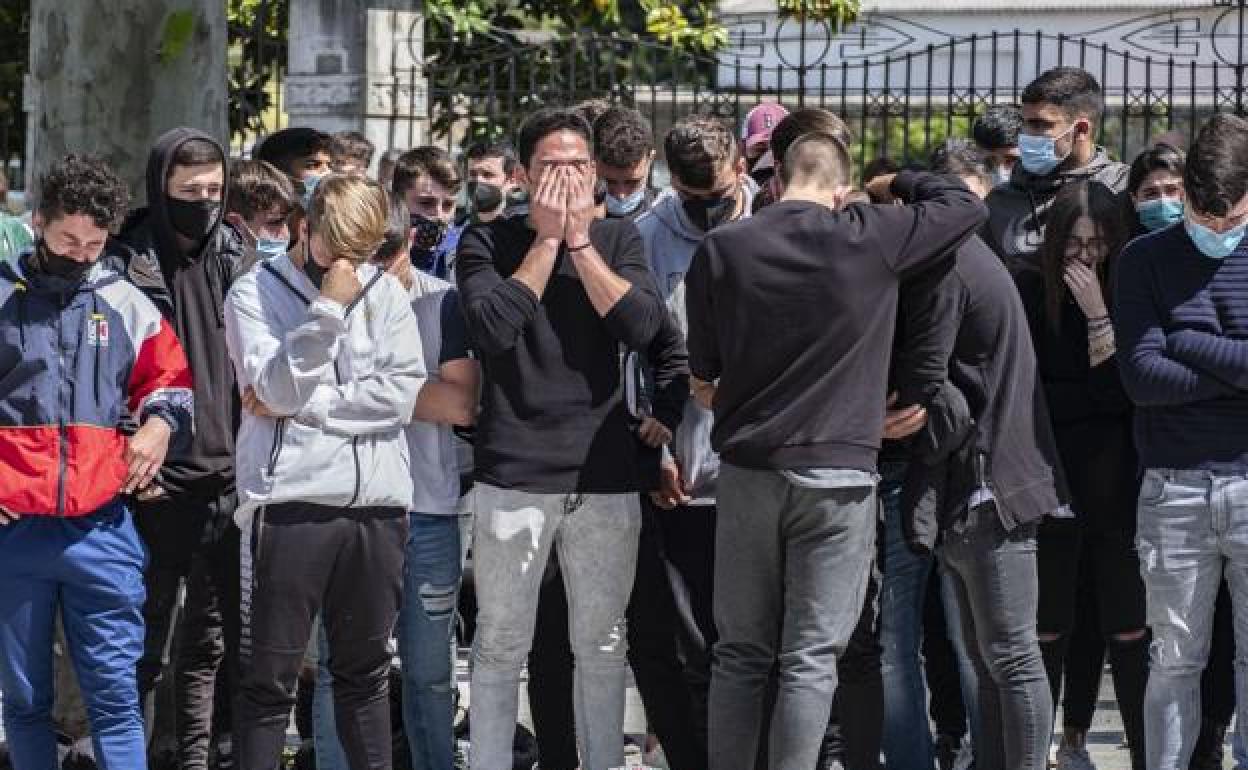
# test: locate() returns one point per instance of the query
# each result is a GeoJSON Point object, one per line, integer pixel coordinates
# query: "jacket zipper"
{"type": "Point", "coordinates": [275, 452]}
{"type": "Point", "coordinates": [355, 450]}
{"type": "Point", "coordinates": [62, 426]}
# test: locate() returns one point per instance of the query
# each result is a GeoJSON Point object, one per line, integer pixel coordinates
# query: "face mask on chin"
{"type": "Point", "coordinates": [58, 265]}
{"type": "Point", "coordinates": [708, 213]}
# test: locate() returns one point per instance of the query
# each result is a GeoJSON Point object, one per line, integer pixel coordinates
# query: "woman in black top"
{"type": "Point", "coordinates": [1092, 554]}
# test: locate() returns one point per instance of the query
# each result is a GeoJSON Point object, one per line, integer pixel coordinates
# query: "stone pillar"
{"type": "Point", "coordinates": [108, 78]}
{"type": "Point", "coordinates": [355, 65]}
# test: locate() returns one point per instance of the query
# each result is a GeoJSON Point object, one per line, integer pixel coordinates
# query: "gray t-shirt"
{"type": "Point", "coordinates": [435, 468]}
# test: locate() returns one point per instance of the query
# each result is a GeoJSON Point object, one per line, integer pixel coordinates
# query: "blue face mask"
{"type": "Point", "coordinates": [1159, 213]}
{"type": "Point", "coordinates": [1038, 154]}
{"type": "Point", "coordinates": [267, 248]}
{"type": "Point", "coordinates": [309, 186]}
{"type": "Point", "coordinates": [1215, 245]}
{"type": "Point", "coordinates": [622, 207]}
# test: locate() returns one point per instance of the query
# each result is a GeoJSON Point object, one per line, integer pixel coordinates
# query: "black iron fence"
{"type": "Point", "coordinates": [899, 105]}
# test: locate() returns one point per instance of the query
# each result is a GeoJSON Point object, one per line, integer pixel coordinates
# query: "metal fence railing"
{"type": "Point", "coordinates": [899, 106]}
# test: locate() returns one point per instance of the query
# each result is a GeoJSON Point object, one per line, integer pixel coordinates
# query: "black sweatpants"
{"type": "Point", "coordinates": [346, 564]}
{"type": "Point", "coordinates": [195, 540]}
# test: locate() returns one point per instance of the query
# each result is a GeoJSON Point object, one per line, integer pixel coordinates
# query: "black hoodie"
{"type": "Point", "coordinates": [190, 288]}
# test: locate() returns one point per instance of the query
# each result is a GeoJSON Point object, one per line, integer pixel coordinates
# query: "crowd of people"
{"type": "Point", "coordinates": [850, 476]}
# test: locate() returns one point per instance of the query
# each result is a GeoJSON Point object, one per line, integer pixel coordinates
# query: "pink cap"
{"type": "Point", "coordinates": [760, 122]}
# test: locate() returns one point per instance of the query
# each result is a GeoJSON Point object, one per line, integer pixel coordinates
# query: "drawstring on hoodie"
{"type": "Point", "coordinates": [20, 286]}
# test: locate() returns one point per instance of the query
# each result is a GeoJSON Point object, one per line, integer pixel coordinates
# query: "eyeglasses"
{"type": "Point", "coordinates": [1095, 247]}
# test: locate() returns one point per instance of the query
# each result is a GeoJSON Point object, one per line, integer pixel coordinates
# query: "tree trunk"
{"type": "Point", "coordinates": [108, 78]}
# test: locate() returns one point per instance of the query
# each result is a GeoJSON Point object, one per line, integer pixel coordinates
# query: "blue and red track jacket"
{"type": "Point", "coordinates": [76, 362]}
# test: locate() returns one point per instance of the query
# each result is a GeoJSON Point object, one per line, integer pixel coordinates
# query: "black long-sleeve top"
{"type": "Point", "coordinates": [1089, 409]}
{"type": "Point", "coordinates": [552, 419]}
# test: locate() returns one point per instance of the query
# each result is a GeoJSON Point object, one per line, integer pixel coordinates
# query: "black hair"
{"type": "Point", "coordinates": [622, 137]}
{"type": "Point", "coordinates": [82, 184]}
{"type": "Point", "coordinates": [545, 122]}
{"type": "Point", "coordinates": [196, 152]}
{"type": "Point", "coordinates": [256, 186]}
{"type": "Point", "coordinates": [351, 145]}
{"type": "Point", "coordinates": [879, 167]}
{"type": "Point", "coordinates": [819, 158]}
{"type": "Point", "coordinates": [1102, 205]}
{"type": "Point", "coordinates": [1159, 157]}
{"type": "Point", "coordinates": [1216, 176]}
{"type": "Point", "coordinates": [1072, 90]}
{"type": "Point", "coordinates": [807, 120]}
{"type": "Point", "coordinates": [285, 147]}
{"type": "Point", "coordinates": [697, 147]}
{"type": "Point", "coordinates": [500, 149]}
{"type": "Point", "coordinates": [959, 157]}
{"type": "Point", "coordinates": [398, 228]}
{"type": "Point", "coordinates": [592, 109]}
{"type": "Point", "coordinates": [998, 127]}
{"type": "Point", "coordinates": [430, 161]}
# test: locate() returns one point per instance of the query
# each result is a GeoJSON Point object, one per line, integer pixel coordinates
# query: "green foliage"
{"type": "Point", "coordinates": [566, 50]}
{"type": "Point", "coordinates": [837, 13]}
{"type": "Point", "coordinates": [257, 58]}
{"type": "Point", "coordinates": [175, 36]}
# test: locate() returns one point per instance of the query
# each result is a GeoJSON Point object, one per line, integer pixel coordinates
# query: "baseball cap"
{"type": "Point", "coordinates": [760, 122]}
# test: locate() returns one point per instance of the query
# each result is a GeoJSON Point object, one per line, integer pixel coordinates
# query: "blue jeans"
{"type": "Point", "coordinates": [993, 579]}
{"type": "Point", "coordinates": [907, 732]}
{"type": "Point", "coordinates": [91, 570]}
{"type": "Point", "coordinates": [431, 580]}
{"type": "Point", "coordinates": [1193, 525]}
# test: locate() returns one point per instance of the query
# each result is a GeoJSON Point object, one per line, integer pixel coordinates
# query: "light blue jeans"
{"type": "Point", "coordinates": [1193, 525]}
{"type": "Point", "coordinates": [431, 579]}
{"type": "Point", "coordinates": [597, 538]}
{"type": "Point", "coordinates": [907, 731]}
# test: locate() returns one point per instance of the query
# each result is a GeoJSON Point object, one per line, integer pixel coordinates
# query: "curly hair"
{"type": "Point", "coordinates": [622, 137]}
{"type": "Point", "coordinates": [697, 148]}
{"type": "Point", "coordinates": [83, 184]}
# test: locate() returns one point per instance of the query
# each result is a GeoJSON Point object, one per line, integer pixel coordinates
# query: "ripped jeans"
{"type": "Point", "coordinates": [431, 578]}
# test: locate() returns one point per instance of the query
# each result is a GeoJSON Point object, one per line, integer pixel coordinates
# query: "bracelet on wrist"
{"type": "Point", "coordinates": [582, 247]}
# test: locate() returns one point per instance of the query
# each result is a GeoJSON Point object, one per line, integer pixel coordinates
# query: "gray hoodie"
{"type": "Point", "coordinates": [1018, 211]}
{"type": "Point", "coordinates": [669, 240]}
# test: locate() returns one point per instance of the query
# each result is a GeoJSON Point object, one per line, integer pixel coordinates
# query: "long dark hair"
{"type": "Point", "coordinates": [1084, 199]}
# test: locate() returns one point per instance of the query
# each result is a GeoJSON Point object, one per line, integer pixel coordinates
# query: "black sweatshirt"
{"type": "Point", "coordinates": [553, 420]}
{"type": "Point", "coordinates": [793, 312]}
{"type": "Point", "coordinates": [993, 366]}
{"type": "Point", "coordinates": [1090, 411]}
{"type": "Point", "coordinates": [189, 289]}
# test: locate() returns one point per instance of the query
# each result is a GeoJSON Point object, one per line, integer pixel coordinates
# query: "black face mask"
{"type": "Point", "coordinates": [486, 198]}
{"type": "Point", "coordinates": [709, 213]}
{"type": "Point", "coordinates": [58, 265]}
{"type": "Point", "coordinates": [192, 219]}
{"type": "Point", "coordinates": [314, 271]}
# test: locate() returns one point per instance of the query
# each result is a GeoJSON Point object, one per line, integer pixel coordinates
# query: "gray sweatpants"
{"type": "Point", "coordinates": [791, 572]}
{"type": "Point", "coordinates": [597, 540]}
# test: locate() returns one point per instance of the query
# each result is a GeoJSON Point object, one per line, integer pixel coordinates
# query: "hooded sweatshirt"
{"type": "Point", "coordinates": [1018, 212]}
{"type": "Point", "coordinates": [346, 378]}
{"type": "Point", "coordinates": [189, 289]}
{"type": "Point", "coordinates": [670, 240]}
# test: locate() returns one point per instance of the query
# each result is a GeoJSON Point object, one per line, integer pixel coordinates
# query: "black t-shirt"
{"type": "Point", "coordinates": [553, 420]}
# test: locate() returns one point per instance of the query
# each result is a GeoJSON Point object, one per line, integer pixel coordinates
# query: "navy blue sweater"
{"type": "Point", "coordinates": [1182, 329]}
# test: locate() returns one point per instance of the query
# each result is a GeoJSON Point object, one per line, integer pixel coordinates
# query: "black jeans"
{"type": "Point", "coordinates": [995, 585]}
{"type": "Point", "coordinates": [670, 631]}
{"type": "Point", "coordinates": [347, 565]}
{"type": "Point", "coordinates": [194, 540]}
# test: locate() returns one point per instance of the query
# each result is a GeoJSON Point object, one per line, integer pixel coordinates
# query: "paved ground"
{"type": "Point", "coordinates": [1105, 740]}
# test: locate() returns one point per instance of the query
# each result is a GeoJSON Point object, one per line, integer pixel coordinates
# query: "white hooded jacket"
{"type": "Point", "coordinates": [348, 378]}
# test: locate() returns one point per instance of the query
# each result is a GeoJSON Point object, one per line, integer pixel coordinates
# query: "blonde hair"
{"type": "Point", "coordinates": [349, 212]}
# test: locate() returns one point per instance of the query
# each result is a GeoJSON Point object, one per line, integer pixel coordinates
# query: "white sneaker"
{"type": "Point", "coordinates": [1074, 758]}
